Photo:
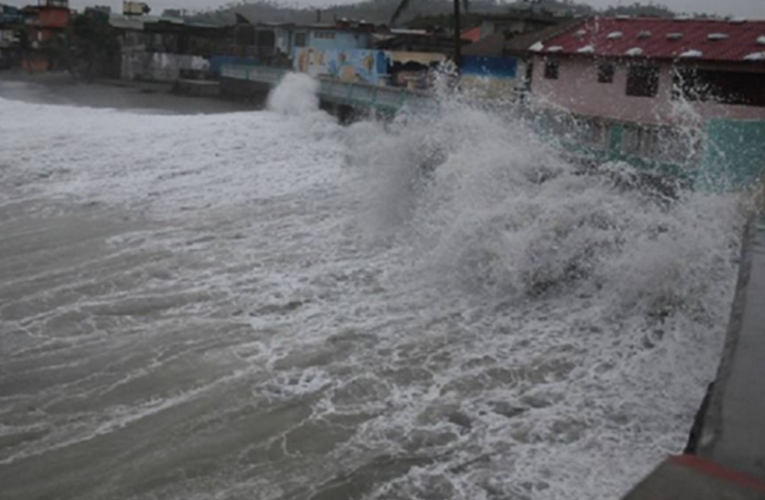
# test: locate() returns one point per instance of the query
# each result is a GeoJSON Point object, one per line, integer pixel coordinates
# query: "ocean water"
{"type": "Point", "coordinates": [269, 305]}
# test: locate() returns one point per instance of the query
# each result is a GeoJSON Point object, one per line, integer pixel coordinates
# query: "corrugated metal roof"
{"type": "Point", "coordinates": [710, 40]}
{"type": "Point", "coordinates": [520, 43]}
{"type": "Point", "coordinates": [472, 34]}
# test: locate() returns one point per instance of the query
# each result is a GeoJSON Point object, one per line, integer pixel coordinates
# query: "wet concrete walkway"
{"type": "Point", "coordinates": [734, 427]}
{"type": "Point", "coordinates": [730, 455]}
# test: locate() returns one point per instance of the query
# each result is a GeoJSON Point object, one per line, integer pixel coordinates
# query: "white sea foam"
{"type": "Point", "coordinates": [437, 307]}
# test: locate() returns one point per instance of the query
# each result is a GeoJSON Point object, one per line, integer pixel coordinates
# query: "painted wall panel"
{"type": "Point", "coordinates": [364, 66]}
{"type": "Point", "coordinates": [497, 67]}
{"type": "Point", "coordinates": [351, 65]}
{"type": "Point", "coordinates": [735, 155]}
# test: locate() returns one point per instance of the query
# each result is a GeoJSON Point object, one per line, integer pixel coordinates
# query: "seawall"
{"type": "Point", "coordinates": [725, 457]}
{"type": "Point", "coordinates": [733, 430]}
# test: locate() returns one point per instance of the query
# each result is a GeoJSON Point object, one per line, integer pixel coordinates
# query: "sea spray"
{"type": "Point", "coordinates": [494, 212]}
{"type": "Point", "coordinates": [296, 95]}
{"type": "Point", "coordinates": [484, 196]}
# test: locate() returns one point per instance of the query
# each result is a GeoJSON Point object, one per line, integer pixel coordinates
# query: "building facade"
{"type": "Point", "coordinates": [654, 71]}
{"type": "Point", "coordinates": [664, 93]}
{"type": "Point", "coordinates": [45, 23]}
{"type": "Point", "coordinates": [165, 49]}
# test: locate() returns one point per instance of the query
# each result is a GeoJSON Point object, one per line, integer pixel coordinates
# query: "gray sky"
{"type": "Point", "coordinates": [747, 8]}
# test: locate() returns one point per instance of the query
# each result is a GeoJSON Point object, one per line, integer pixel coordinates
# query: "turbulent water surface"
{"type": "Point", "coordinates": [269, 305]}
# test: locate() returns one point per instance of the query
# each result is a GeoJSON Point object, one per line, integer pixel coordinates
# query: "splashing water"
{"type": "Point", "coordinates": [296, 95]}
{"type": "Point", "coordinates": [439, 307]}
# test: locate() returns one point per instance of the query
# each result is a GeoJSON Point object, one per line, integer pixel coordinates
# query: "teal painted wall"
{"type": "Point", "coordinates": [734, 155]}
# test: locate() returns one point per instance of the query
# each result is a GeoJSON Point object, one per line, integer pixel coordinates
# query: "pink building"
{"type": "Point", "coordinates": [654, 71]}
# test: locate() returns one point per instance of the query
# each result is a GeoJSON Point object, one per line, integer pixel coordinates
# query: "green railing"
{"type": "Point", "coordinates": [384, 99]}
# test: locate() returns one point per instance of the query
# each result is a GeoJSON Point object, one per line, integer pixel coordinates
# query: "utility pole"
{"type": "Point", "coordinates": [457, 36]}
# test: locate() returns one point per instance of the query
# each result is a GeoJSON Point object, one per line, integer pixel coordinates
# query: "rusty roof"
{"type": "Point", "coordinates": [697, 39]}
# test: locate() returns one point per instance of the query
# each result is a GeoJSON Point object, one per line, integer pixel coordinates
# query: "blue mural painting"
{"type": "Point", "coordinates": [496, 67]}
{"type": "Point", "coordinates": [349, 65]}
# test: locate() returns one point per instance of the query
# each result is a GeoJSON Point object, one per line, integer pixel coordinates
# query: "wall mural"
{"type": "Point", "coordinates": [348, 65]}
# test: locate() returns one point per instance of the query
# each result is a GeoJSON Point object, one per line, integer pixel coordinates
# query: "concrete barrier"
{"type": "Point", "coordinates": [733, 429]}
{"type": "Point", "coordinates": [728, 438]}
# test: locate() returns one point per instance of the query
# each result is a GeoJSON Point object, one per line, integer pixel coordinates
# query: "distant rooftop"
{"type": "Point", "coordinates": [709, 40]}
{"type": "Point", "coordinates": [499, 44]}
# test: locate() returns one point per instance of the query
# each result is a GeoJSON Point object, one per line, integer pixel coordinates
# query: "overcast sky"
{"type": "Point", "coordinates": [746, 8]}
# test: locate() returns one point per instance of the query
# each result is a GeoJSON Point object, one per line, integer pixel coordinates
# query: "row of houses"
{"type": "Point", "coordinates": [630, 69]}
{"type": "Point", "coordinates": [167, 47]}
{"type": "Point", "coordinates": [650, 78]}
{"type": "Point", "coordinates": [641, 70]}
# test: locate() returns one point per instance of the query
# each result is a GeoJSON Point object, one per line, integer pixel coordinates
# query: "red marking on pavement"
{"type": "Point", "coordinates": [718, 471]}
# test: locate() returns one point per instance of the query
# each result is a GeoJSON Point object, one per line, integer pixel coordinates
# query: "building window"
{"type": "Point", "coordinates": [552, 69]}
{"type": "Point", "coordinates": [606, 73]}
{"type": "Point", "coordinates": [668, 144]}
{"type": "Point", "coordinates": [640, 141]}
{"type": "Point", "coordinates": [643, 81]}
{"type": "Point", "coordinates": [300, 40]}
{"type": "Point", "coordinates": [725, 87]}
{"type": "Point", "coordinates": [327, 35]}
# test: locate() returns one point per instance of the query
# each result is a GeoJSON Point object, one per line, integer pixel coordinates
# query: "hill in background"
{"type": "Point", "coordinates": [420, 12]}
{"type": "Point", "coordinates": [374, 11]}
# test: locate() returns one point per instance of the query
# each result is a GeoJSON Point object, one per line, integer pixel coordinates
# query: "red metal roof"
{"type": "Point", "coordinates": [648, 37]}
{"type": "Point", "coordinates": [472, 34]}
